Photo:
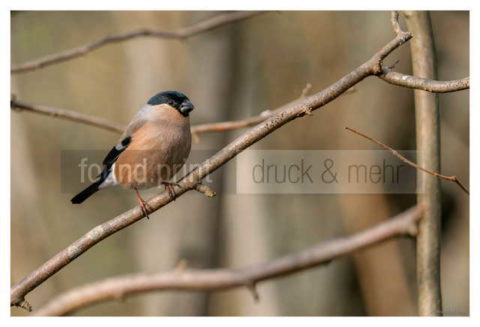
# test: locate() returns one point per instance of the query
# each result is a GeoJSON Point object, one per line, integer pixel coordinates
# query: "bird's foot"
{"type": "Point", "coordinates": [146, 208]}
{"type": "Point", "coordinates": [170, 187]}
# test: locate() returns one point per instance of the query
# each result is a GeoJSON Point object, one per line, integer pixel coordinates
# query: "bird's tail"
{"type": "Point", "coordinates": [86, 193]}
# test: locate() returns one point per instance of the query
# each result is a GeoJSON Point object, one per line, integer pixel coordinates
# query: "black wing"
{"type": "Point", "coordinates": [112, 156]}
{"type": "Point", "coordinates": [107, 168]}
{"type": "Point", "coordinates": [116, 150]}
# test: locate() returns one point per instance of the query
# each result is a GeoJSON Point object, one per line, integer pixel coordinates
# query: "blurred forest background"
{"type": "Point", "coordinates": [233, 72]}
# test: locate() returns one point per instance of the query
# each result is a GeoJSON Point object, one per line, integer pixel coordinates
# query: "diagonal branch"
{"type": "Point", "coordinates": [283, 115]}
{"type": "Point", "coordinates": [408, 162]}
{"type": "Point", "coordinates": [180, 34]}
{"type": "Point", "coordinates": [221, 279]}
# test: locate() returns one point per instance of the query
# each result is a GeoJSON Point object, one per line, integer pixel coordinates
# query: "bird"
{"type": "Point", "coordinates": [152, 149]}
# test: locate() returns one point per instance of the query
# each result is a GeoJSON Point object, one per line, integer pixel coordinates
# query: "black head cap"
{"type": "Point", "coordinates": [176, 99]}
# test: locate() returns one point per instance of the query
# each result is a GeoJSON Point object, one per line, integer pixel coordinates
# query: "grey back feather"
{"type": "Point", "coordinates": [138, 121]}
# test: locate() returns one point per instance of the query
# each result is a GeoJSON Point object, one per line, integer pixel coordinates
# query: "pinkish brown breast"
{"type": "Point", "coordinates": [158, 149]}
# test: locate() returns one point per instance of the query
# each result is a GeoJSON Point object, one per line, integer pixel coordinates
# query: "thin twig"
{"type": "Point", "coordinates": [282, 116]}
{"type": "Point", "coordinates": [394, 16]}
{"type": "Point", "coordinates": [230, 125]}
{"type": "Point", "coordinates": [181, 33]}
{"type": "Point", "coordinates": [221, 279]}
{"type": "Point", "coordinates": [411, 163]}
{"type": "Point", "coordinates": [18, 105]}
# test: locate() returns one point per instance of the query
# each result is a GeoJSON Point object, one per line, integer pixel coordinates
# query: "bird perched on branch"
{"type": "Point", "coordinates": [153, 147]}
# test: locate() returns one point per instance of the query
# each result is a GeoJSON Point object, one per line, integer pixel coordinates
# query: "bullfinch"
{"type": "Point", "coordinates": [152, 149]}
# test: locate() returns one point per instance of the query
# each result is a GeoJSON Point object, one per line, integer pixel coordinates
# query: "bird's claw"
{"type": "Point", "coordinates": [145, 207]}
{"type": "Point", "coordinates": [170, 187]}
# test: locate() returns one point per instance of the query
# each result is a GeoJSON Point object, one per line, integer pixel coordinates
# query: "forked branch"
{"type": "Point", "coordinates": [415, 82]}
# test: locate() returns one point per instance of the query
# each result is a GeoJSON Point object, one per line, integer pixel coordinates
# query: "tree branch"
{"type": "Point", "coordinates": [408, 162]}
{"type": "Point", "coordinates": [181, 33]}
{"type": "Point", "coordinates": [221, 279]}
{"type": "Point", "coordinates": [230, 125]}
{"type": "Point", "coordinates": [18, 105]}
{"type": "Point", "coordinates": [424, 84]}
{"type": "Point", "coordinates": [427, 117]}
{"type": "Point", "coordinates": [283, 115]}
{"type": "Point", "coordinates": [75, 116]}
{"type": "Point", "coordinates": [419, 83]}
{"type": "Point", "coordinates": [71, 115]}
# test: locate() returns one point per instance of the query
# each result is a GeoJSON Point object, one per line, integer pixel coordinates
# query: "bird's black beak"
{"type": "Point", "coordinates": [186, 107]}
